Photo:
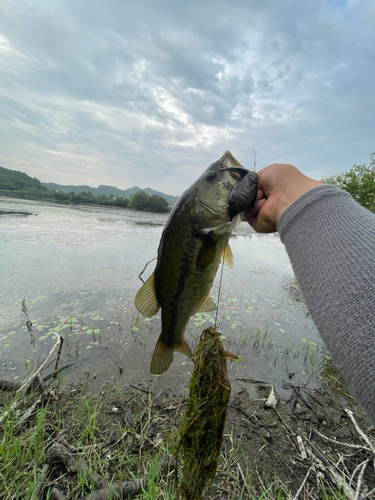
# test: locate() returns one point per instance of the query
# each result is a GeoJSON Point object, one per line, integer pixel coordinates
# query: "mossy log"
{"type": "Point", "coordinates": [202, 431]}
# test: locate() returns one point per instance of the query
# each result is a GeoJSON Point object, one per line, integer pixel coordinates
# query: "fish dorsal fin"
{"type": "Point", "coordinates": [208, 305]}
{"type": "Point", "coordinates": [184, 348]}
{"type": "Point", "coordinates": [228, 257]}
{"type": "Point", "coordinates": [145, 301]}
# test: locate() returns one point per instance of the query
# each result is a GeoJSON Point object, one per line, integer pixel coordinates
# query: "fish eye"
{"type": "Point", "coordinates": [211, 175]}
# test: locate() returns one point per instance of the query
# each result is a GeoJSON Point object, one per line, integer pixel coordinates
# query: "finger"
{"type": "Point", "coordinates": [252, 213]}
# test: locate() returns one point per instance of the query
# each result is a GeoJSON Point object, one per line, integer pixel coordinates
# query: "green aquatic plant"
{"type": "Point", "coordinates": [202, 430]}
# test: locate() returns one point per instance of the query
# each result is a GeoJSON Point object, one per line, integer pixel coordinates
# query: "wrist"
{"type": "Point", "coordinates": [294, 191]}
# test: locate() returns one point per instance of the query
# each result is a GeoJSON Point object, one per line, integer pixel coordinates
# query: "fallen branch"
{"type": "Point", "coordinates": [56, 372]}
{"type": "Point", "coordinates": [360, 479]}
{"type": "Point", "coordinates": [28, 382]}
{"type": "Point", "coordinates": [243, 478]}
{"type": "Point", "coordinates": [349, 445]}
{"type": "Point", "coordinates": [336, 478]}
{"type": "Point", "coordinates": [296, 496]}
{"type": "Point", "coordinates": [35, 374]}
{"type": "Point", "coordinates": [360, 431]}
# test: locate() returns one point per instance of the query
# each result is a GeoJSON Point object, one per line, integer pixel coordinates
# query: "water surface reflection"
{"type": "Point", "coordinates": [78, 267]}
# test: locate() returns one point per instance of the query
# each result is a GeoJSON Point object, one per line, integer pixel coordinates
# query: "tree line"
{"type": "Point", "coordinates": [20, 185]}
{"type": "Point", "coordinates": [138, 201]}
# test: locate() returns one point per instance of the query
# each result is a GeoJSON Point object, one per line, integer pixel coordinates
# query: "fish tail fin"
{"type": "Point", "coordinates": [162, 358]}
{"type": "Point", "coordinates": [163, 355]}
{"type": "Point", "coordinates": [184, 348]}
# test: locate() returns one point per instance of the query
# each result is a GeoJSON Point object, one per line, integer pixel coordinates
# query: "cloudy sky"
{"type": "Point", "coordinates": [150, 92]}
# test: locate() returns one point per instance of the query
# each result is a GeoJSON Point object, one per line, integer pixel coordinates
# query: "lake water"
{"type": "Point", "coordinates": [78, 266]}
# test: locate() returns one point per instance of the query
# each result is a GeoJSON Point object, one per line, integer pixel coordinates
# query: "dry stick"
{"type": "Point", "coordinates": [266, 490]}
{"type": "Point", "coordinates": [29, 324]}
{"type": "Point", "coordinates": [116, 442]}
{"type": "Point", "coordinates": [58, 354]}
{"type": "Point", "coordinates": [360, 479]}
{"type": "Point", "coordinates": [243, 478]}
{"type": "Point", "coordinates": [349, 445]}
{"type": "Point", "coordinates": [303, 483]}
{"type": "Point", "coordinates": [28, 382]}
{"type": "Point", "coordinates": [357, 469]}
{"type": "Point", "coordinates": [301, 447]}
{"type": "Point", "coordinates": [335, 477]}
{"type": "Point", "coordinates": [139, 388]}
{"type": "Point", "coordinates": [32, 408]}
{"type": "Point", "coordinates": [369, 494]}
{"type": "Point", "coordinates": [359, 430]}
{"type": "Point", "coordinates": [56, 372]}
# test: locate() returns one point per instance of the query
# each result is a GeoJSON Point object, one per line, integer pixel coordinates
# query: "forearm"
{"type": "Point", "coordinates": [330, 240]}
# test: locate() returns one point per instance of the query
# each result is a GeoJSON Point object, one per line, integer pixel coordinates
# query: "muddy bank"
{"type": "Point", "coordinates": [308, 444]}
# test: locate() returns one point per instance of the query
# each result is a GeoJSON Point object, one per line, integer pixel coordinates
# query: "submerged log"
{"type": "Point", "coordinates": [202, 431]}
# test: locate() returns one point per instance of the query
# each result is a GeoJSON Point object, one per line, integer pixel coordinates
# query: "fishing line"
{"type": "Point", "coordinates": [220, 283]}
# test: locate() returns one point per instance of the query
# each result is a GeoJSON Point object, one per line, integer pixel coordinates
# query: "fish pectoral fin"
{"type": "Point", "coordinates": [184, 348]}
{"type": "Point", "coordinates": [145, 301]}
{"type": "Point", "coordinates": [162, 358]}
{"type": "Point", "coordinates": [228, 256]}
{"type": "Point", "coordinates": [208, 305]}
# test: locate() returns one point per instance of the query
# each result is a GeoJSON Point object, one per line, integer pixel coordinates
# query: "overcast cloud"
{"type": "Point", "coordinates": [149, 93]}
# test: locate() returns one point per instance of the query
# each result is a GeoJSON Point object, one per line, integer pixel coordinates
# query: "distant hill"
{"type": "Point", "coordinates": [14, 180]}
{"type": "Point", "coordinates": [108, 190]}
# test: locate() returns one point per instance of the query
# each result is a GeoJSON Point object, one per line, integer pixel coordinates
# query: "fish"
{"type": "Point", "coordinates": [194, 240]}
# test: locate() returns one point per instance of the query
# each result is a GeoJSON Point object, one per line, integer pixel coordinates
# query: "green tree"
{"type": "Point", "coordinates": [158, 204]}
{"type": "Point", "coordinates": [359, 181]}
{"type": "Point", "coordinates": [143, 201]}
{"type": "Point", "coordinates": [139, 201]}
{"type": "Point", "coordinates": [121, 202]}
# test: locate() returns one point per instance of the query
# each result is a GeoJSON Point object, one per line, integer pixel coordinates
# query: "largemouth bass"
{"type": "Point", "coordinates": [194, 240]}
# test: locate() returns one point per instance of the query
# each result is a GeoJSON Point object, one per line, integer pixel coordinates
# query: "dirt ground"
{"type": "Point", "coordinates": [308, 445]}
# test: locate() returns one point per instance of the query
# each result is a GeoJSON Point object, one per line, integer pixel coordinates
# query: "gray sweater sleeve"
{"type": "Point", "coordinates": [330, 240]}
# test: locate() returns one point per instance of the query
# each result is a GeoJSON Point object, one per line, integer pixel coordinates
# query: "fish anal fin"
{"type": "Point", "coordinates": [228, 256]}
{"type": "Point", "coordinates": [208, 305]}
{"type": "Point", "coordinates": [162, 358]}
{"type": "Point", "coordinates": [184, 348]}
{"type": "Point", "coordinates": [145, 301]}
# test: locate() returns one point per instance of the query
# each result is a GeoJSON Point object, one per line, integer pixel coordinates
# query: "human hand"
{"type": "Point", "coordinates": [280, 184]}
